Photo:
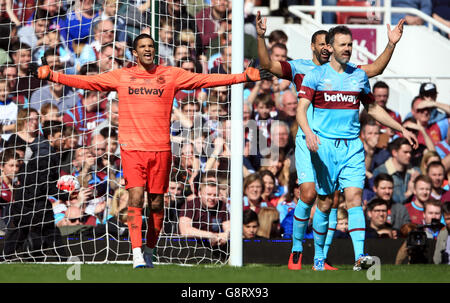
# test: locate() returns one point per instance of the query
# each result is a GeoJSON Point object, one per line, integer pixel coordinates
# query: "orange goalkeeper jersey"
{"type": "Point", "coordinates": [145, 99]}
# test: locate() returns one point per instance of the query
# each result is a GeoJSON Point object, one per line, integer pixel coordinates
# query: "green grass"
{"type": "Point", "coordinates": [115, 273]}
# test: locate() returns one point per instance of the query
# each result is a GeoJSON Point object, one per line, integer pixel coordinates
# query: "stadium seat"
{"type": "Point", "coordinates": [356, 17]}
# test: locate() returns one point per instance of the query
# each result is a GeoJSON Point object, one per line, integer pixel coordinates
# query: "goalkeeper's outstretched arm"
{"type": "Point", "coordinates": [102, 82]}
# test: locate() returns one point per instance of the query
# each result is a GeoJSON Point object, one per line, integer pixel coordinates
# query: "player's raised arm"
{"type": "Point", "coordinates": [264, 59]}
{"type": "Point", "coordinates": [377, 67]}
{"type": "Point", "coordinates": [188, 80]}
{"type": "Point", "coordinates": [102, 82]}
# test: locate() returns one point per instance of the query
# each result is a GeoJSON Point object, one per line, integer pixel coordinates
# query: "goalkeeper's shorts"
{"type": "Point", "coordinates": [150, 169]}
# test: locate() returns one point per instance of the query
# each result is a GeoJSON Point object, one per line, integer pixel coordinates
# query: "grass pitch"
{"type": "Point", "coordinates": [124, 273]}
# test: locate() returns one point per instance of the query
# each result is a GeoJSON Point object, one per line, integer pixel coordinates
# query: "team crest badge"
{"type": "Point", "coordinates": [161, 80]}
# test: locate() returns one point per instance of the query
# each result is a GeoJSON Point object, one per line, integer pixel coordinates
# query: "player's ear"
{"type": "Point", "coordinates": [134, 52]}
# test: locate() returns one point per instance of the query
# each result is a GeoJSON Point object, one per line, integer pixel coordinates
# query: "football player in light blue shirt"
{"type": "Point", "coordinates": [335, 91]}
{"type": "Point", "coordinates": [295, 71]}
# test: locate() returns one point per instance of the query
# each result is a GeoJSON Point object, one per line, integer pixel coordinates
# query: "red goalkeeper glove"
{"type": "Point", "coordinates": [253, 74]}
{"type": "Point", "coordinates": [43, 72]}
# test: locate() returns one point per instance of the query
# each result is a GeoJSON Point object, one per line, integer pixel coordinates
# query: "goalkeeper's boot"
{"type": "Point", "coordinates": [295, 260]}
{"type": "Point", "coordinates": [328, 266]}
{"type": "Point", "coordinates": [319, 264]}
{"type": "Point", "coordinates": [364, 261]}
{"type": "Point", "coordinates": [148, 257]}
{"type": "Point", "coordinates": [138, 259]}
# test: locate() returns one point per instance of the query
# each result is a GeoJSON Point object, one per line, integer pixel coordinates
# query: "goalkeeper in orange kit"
{"type": "Point", "coordinates": [146, 92]}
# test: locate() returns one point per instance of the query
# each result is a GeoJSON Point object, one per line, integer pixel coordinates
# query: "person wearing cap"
{"type": "Point", "coordinates": [421, 111]}
{"type": "Point", "coordinates": [440, 111]}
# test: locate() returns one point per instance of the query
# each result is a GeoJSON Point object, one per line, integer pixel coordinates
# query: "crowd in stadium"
{"type": "Point", "coordinates": [77, 130]}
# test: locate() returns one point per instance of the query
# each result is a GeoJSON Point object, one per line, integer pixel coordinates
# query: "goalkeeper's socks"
{"type": "Point", "coordinates": [320, 227]}
{"type": "Point", "coordinates": [300, 223]}
{"type": "Point", "coordinates": [357, 229]}
{"type": "Point", "coordinates": [155, 223]}
{"type": "Point", "coordinates": [332, 222]}
{"type": "Point", "coordinates": [135, 226]}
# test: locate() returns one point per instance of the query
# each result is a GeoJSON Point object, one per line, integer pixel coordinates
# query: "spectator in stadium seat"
{"type": "Point", "coordinates": [180, 18]}
{"type": "Point", "coordinates": [10, 73]}
{"type": "Point", "coordinates": [265, 114]}
{"type": "Point", "coordinates": [225, 61]}
{"type": "Point", "coordinates": [49, 112]}
{"type": "Point", "coordinates": [103, 34]}
{"type": "Point", "coordinates": [432, 211]}
{"type": "Point", "coordinates": [107, 60]}
{"type": "Point", "coordinates": [286, 206]}
{"type": "Point", "coordinates": [422, 5]}
{"type": "Point", "coordinates": [109, 12]}
{"type": "Point", "coordinates": [276, 36]}
{"type": "Point", "coordinates": [54, 9]}
{"type": "Point", "coordinates": [397, 214]}
{"type": "Point", "coordinates": [377, 213]}
{"type": "Point", "coordinates": [269, 223]}
{"type": "Point", "coordinates": [165, 47]}
{"type": "Point", "coordinates": [205, 216]}
{"type": "Point", "coordinates": [9, 168]}
{"type": "Point", "coordinates": [111, 115]}
{"type": "Point", "coordinates": [422, 194]}
{"type": "Point", "coordinates": [281, 140]}
{"type": "Point", "coordinates": [270, 194]}
{"type": "Point", "coordinates": [439, 111]}
{"type": "Point", "coordinates": [280, 167]}
{"type": "Point", "coordinates": [398, 166]}
{"type": "Point", "coordinates": [76, 25]}
{"type": "Point", "coordinates": [21, 56]}
{"type": "Point", "coordinates": [187, 119]}
{"type": "Point", "coordinates": [8, 110]}
{"type": "Point", "coordinates": [381, 94]}
{"type": "Point", "coordinates": [342, 224]}
{"type": "Point", "coordinates": [82, 161]}
{"type": "Point", "coordinates": [253, 189]}
{"type": "Point", "coordinates": [27, 134]}
{"type": "Point", "coordinates": [34, 34]}
{"type": "Point", "coordinates": [422, 113]}
{"type": "Point", "coordinates": [428, 157]}
{"type": "Point", "coordinates": [62, 96]}
{"type": "Point", "coordinates": [32, 213]}
{"type": "Point", "coordinates": [375, 156]}
{"type": "Point", "coordinates": [442, 249]}
{"type": "Point", "coordinates": [208, 20]}
{"type": "Point", "coordinates": [85, 115]}
{"type": "Point", "coordinates": [415, 127]}
{"type": "Point", "coordinates": [436, 172]}
{"type": "Point", "coordinates": [250, 224]}
{"type": "Point", "coordinates": [288, 109]}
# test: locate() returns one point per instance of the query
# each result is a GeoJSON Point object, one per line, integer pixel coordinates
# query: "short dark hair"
{"type": "Point", "coordinates": [140, 37]}
{"type": "Point", "coordinates": [8, 154]}
{"type": "Point", "coordinates": [376, 202]}
{"type": "Point", "coordinates": [340, 29]}
{"type": "Point", "coordinates": [432, 202]}
{"type": "Point", "coordinates": [415, 99]}
{"type": "Point", "coordinates": [435, 164]}
{"type": "Point", "coordinates": [51, 127]}
{"type": "Point", "coordinates": [278, 45]}
{"type": "Point", "coordinates": [380, 84]}
{"type": "Point", "coordinates": [249, 216]}
{"type": "Point", "coordinates": [397, 144]}
{"type": "Point", "coordinates": [319, 32]}
{"type": "Point", "coordinates": [382, 177]}
{"type": "Point", "coordinates": [88, 67]}
{"type": "Point", "coordinates": [277, 35]}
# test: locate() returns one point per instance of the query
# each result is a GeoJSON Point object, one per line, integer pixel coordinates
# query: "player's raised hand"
{"type": "Point", "coordinates": [395, 34]}
{"type": "Point", "coordinates": [261, 26]}
{"type": "Point", "coordinates": [412, 139]}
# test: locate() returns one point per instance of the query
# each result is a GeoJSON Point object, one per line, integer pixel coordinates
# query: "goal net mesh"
{"type": "Point", "coordinates": [51, 132]}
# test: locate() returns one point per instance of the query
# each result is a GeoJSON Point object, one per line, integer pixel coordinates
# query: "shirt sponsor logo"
{"type": "Point", "coordinates": [340, 98]}
{"type": "Point", "coordinates": [145, 91]}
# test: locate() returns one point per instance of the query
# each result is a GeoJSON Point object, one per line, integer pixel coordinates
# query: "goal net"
{"type": "Point", "coordinates": [63, 191]}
